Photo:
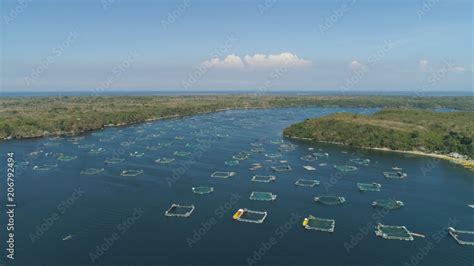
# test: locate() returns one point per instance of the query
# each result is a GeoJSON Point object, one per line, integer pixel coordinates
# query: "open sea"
{"type": "Point", "coordinates": [100, 217]}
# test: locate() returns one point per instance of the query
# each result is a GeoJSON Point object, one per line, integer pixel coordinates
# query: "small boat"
{"type": "Point", "coordinates": [67, 237]}
{"type": "Point", "coordinates": [309, 168]}
{"type": "Point", "coordinates": [396, 168]}
{"type": "Point", "coordinates": [305, 222]}
{"type": "Point", "coordinates": [237, 214]}
{"type": "Point", "coordinates": [471, 205]}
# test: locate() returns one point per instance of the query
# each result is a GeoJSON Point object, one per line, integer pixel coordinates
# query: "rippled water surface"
{"type": "Point", "coordinates": [110, 219]}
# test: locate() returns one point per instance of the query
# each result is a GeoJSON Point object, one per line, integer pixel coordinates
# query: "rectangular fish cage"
{"type": "Point", "coordinates": [221, 174]}
{"type": "Point", "coordinates": [203, 190]}
{"type": "Point", "coordinates": [393, 232]}
{"type": "Point", "coordinates": [180, 210]}
{"type": "Point", "coordinates": [306, 182]}
{"type": "Point", "coordinates": [319, 224]}
{"type": "Point", "coordinates": [281, 168]}
{"type": "Point", "coordinates": [369, 186]}
{"type": "Point", "coordinates": [388, 204]}
{"type": "Point", "coordinates": [262, 196]}
{"type": "Point", "coordinates": [250, 216]}
{"type": "Point", "coordinates": [395, 175]}
{"type": "Point", "coordinates": [461, 236]}
{"type": "Point", "coordinates": [330, 200]}
{"type": "Point", "coordinates": [263, 178]}
{"type": "Point", "coordinates": [345, 168]}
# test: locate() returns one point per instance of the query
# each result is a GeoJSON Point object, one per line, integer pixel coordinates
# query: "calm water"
{"type": "Point", "coordinates": [120, 220]}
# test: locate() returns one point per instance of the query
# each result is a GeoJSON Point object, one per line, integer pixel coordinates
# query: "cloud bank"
{"type": "Point", "coordinates": [258, 61]}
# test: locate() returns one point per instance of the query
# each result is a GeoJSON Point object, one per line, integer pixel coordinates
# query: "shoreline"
{"type": "Point", "coordinates": [468, 164]}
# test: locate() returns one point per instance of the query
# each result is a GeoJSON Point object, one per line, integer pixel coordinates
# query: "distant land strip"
{"type": "Point", "coordinates": [30, 117]}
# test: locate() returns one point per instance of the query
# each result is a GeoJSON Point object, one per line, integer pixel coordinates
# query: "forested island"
{"type": "Point", "coordinates": [26, 117]}
{"type": "Point", "coordinates": [424, 131]}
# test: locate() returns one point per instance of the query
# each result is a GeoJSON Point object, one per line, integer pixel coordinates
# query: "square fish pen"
{"type": "Point", "coordinates": [393, 232]}
{"type": "Point", "coordinates": [461, 236]}
{"type": "Point", "coordinates": [388, 204]}
{"type": "Point", "coordinates": [306, 182]}
{"type": "Point", "coordinates": [262, 196]}
{"type": "Point", "coordinates": [395, 175]}
{"type": "Point", "coordinates": [250, 216]}
{"type": "Point", "coordinates": [203, 190]}
{"type": "Point", "coordinates": [345, 168]}
{"type": "Point", "coordinates": [263, 178]}
{"type": "Point", "coordinates": [92, 171]}
{"type": "Point", "coordinates": [369, 186]}
{"type": "Point", "coordinates": [281, 168]}
{"type": "Point", "coordinates": [180, 210]}
{"type": "Point", "coordinates": [319, 224]}
{"type": "Point", "coordinates": [220, 174]}
{"type": "Point", "coordinates": [330, 200]}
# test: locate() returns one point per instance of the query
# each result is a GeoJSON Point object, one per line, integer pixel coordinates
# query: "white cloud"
{"type": "Point", "coordinates": [458, 69]}
{"type": "Point", "coordinates": [423, 64]}
{"type": "Point", "coordinates": [230, 61]}
{"type": "Point", "coordinates": [275, 60]}
{"type": "Point", "coordinates": [356, 65]}
{"type": "Point", "coordinates": [258, 61]}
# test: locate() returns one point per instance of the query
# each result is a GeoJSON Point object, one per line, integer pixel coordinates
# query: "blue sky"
{"type": "Point", "coordinates": [261, 45]}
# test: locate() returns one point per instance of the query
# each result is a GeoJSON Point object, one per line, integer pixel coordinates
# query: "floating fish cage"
{"type": "Point", "coordinates": [306, 182]}
{"type": "Point", "coordinates": [257, 150]}
{"type": "Point", "coordinates": [369, 186]}
{"type": "Point", "coordinates": [243, 155]}
{"type": "Point", "coordinates": [221, 174]}
{"type": "Point", "coordinates": [308, 158]}
{"type": "Point", "coordinates": [192, 145]}
{"type": "Point", "coordinates": [232, 162]}
{"type": "Point", "coordinates": [86, 146]}
{"type": "Point", "coordinates": [345, 168]}
{"type": "Point", "coordinates": [92, 171]}
{"type": "Point", "coordinates": [319, 224]}
{"type": "Point", "coordinates": [153, 148]}
{"type": "Point", "coordinates": [281, 168]}
{"type": "Point", "coordinates": [137, 154]}
{"type": "Point", "coordinates": [360, 161]}
{"type": "Point", "coordinates": [66, 158]}
{"type": "Point", "coordinates": [250, 216]}
{"type": "Point", "coordinates": [131, 172]}
{"type": "Point", "coordinates": [263, 178]}
{"type": "Point", "coordinates": [393, 232]}
{"type": "Point", "coordinates": [255, 166]}
{"type": "Point", "coordinates": [330, 200]}
{"type": "Point", "coordinates": [309, 168]}
{"type": "Point", "coordinates": [388, 204]}
{"type": "Point", "coordinates": [164, 160]}
{"type": "Point", "coordinates": [273, 155]}
{"type": "Point", "coordinates": [182, 153]}
{"type": "Point", "coordinates": [395, 175]}
{"type": "Point", "coordinates": [203, 190]}
{"type": "Point", "coordinates": [114, 160]}
{"type": "Point", "coordinates": [320, 155]}
{"type": "Point", "coordinates": [44, 167]}
{"type": "Point", "coordinates": [179, 210]}
{"type": "Point", "coordinates": [262, 196]}
{"type": "Point", "coordinates": [97, 151]}
{"type": "Point", "coordinates": [461, 236]}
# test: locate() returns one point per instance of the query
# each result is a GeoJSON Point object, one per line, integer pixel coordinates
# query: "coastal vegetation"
{"type": "Point", "coordinates": [396, 129]}
{"type": "Point", "coordinates": [25, 117]}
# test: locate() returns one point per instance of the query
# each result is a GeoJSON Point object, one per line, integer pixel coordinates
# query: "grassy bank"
{"type": "Point", "coordinates": [420, 131]}
{"type": "Point", "coordinates": [25, 117]}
